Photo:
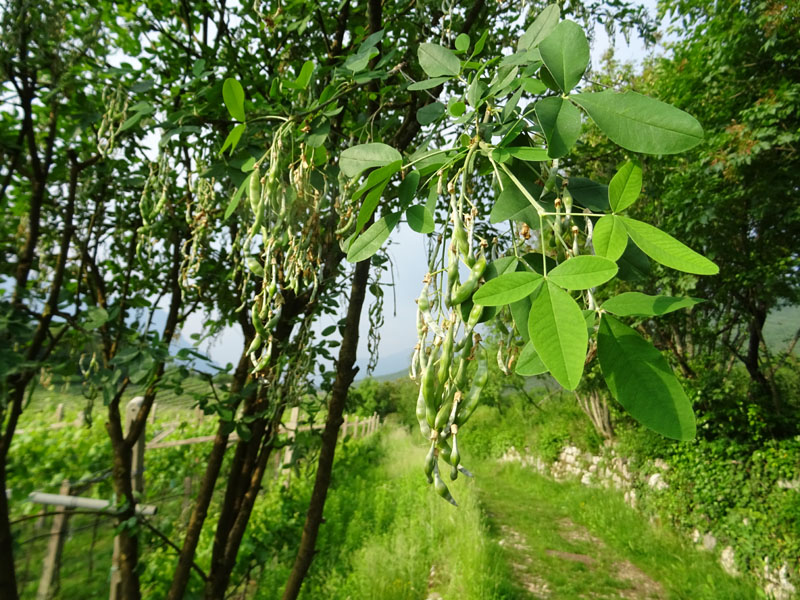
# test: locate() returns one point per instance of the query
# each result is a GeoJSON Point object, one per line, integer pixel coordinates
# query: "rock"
{"type": "Point", "coordinates": [789, 484]}
{"type": "Point", "coordinates": [656, 481]}
{"type": "Point", "coordinates": [728, 561]}
{"type": "Point", "coordinates": [777, 584]}
{"type": "Point", "coordinates": [709, 542]}
{"type": "Point", "coordinates": [696, 536]}
{"type": "Point", "coordinates": [660, 464]}
{"type": "Point", "coordinates": [586, 479]}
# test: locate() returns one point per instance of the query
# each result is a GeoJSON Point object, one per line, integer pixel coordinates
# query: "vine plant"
{"type": "Point", "coordinates": [513, 118]}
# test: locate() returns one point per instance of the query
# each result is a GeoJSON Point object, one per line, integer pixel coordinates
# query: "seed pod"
{"type": "Point", "coordinates": [258, 324]}
{"type": "Point", "coordinates": [475, 315]}
{"type": "Point", "coordinates": [471, 403]}
{"type": "Point", "coordinates": [429, 389]}
{"type": "Point", "coordinates": [460, 235]}
{"type": "Point", "coordinates": [421, 413]}
{"type": "Point", "coordinates": [455, 455]}
{"type": "Point", "coordinates": [446, 356]}
{"type": "Point", "coordinates": [254, 191]}
{"type": "Point", "coordinates": [444, 449]}
{"type": "Point", "coordinates": [464, 291]}
{"type": "Point", "coordinates": [443, 414]}
{"type": "Point", "coordinates": [255, 344]}
{"type": "Point", "coordinates": [430, 459]}
{"type": "Point", "coordinates": [441, 487]}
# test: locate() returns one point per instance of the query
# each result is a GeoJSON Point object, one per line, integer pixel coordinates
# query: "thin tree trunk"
{"type": "Point", "coordinates": [344, 377]}
{"type": "Point", "coordinates": [180, 578]}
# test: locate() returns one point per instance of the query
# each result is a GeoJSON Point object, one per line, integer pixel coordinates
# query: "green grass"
{"type": "Point", "coordinates": [579, 542]}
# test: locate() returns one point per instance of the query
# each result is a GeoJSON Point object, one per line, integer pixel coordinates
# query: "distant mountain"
{"type": "Point", "coordinates": [391, 365]}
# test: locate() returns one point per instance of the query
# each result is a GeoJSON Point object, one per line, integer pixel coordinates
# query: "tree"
{"type": "Point", "coordinates": [733, 195]}
{"type": "Point", "coordinates": [259, 192]}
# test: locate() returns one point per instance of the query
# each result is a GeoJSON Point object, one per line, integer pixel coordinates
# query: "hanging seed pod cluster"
{"type": "Point", "coordinates": [447, 342]}
{"type": "Point", "coordinates": [283, 245]}
{"type": "Point", "coordinates": [509, 121]}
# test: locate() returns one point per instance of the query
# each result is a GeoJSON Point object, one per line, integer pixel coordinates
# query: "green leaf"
{"type": "Point", "coordinates": [462, 42]}
{"type": "Point", "coordinates": [369, 242]}
{"type": "Point", "coordinates": [641, 124]}
{"type": "Point", "coordinates": [475, 92]}
{"type": "Point", "coordinates": [528, 154]}
{"type": "Point", "coordinates": [520, 311]}
{"type": "Point", "coordinates": [625, 186]}
{"type": "Point", "coordinates": [561, 124]}
{"type": "Point", "coordinates": [610, 237]}
{"type": "Point", "coordinates": [437, 60]}
{"type": "Point", "coordinates": [427, 84]}
{"type": "Point", "coordinates": [583, 272]}
{"type": "Point", "coordinates": [456, 108]}
{"type": "Point", "coordinates": [565, 53]}
{"type": "Point", "coordinates": [636, 304]}
{"type": "Point", "coordinates": [534, 86]}
{"type": "Point", "coordinates": [589, 194]}
{"type": "Point", "coordinates": [542, 26]}
{"type": "Point", "coordinates": [529, 363]}
{"type": "Point", "coordinates": [507, 288]}
{"type": "Point", "coordinates": [356, 159]}
{"type": "Point", "coordinates": [512, 205]}
{"type": "Point", "coordinates": [558, 332]}
{"type": "Point", "coordinates": [377, 176]}
{"type": "Point", "coordinates": [131, 121]}
{"type": "Point", "coordinates": [233, 96]}
{"type": "Point", "coordinates": [304, 77]}
{"type": "Point", "coordinates": [234, 201]}
{"type": "Point", "coordinates": [370, 204]}
{"type": "Point", "coordinates": [430, 113]}
{"type": "Point", "coordinates": [420, 219]}
{"type": "Point", "coordinates": [359, 61]}
{"type": "Point", "coordinates": [665, 249]}
{"type": "Point", "coordinates": [96, 317]}
{"type": "Point", "coordinates": [233, 138]}
{"type": "Point", "coordinates": [408, 188]}
{"type": "Point", "coordinates": [642, 382]}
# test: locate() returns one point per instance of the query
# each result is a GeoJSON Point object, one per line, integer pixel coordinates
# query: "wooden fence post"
{"type": "Point", "coordinates": [344, 427]}
{"type": "Point", "coordinates": [52, 560]}
{"type": "Point", "coordinates": [288, 454]}
{"type": "Point", "coordinates": [60, 413]}
{"type": "Point", "coordinates": [137, 483]}
{"type": "Point", "coordinates": [153, 413]}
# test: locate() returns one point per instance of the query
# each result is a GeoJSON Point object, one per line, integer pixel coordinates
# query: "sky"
{"type": "Point", "coordinates": [407, 252]}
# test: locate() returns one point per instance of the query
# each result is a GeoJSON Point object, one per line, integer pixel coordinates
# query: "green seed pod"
{"type": "Point", "coordinates": [258, 323]}
{"type": "Point", "coordinates": [453, 473]}
{"type": "Point", "coordinates": [471, 403]}
{"type": "Point", "coordinates": [444, 449]}
{"type": "Point", "coordinates": [255, 344]}
{"type": "Point", "coordinates": [254, 191]}
{"type": "Point", "coordinates": [421, 413]}
{"type": "Point", "coordinates": [443, 414]}
{"type": "Point", "coordinates": [465, 290]}
{"type": "Point", "coordinates": [429, 390]}
{"type": "Point", "coordinates": [474, 316]}
{"type": "Point", "coordinates": [446, 356]}
{"type": "Point", "coordinates": [460, 235]}
{"type": "Point", "coordinates": [430, 459]}
{"type": "Point", "coordinates": [455, 455]}
{"type": "Point", "coordinates": [441, 487]}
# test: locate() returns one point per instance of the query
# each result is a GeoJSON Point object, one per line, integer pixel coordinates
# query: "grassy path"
{"type": "Point", "coordinates": [566, 541]}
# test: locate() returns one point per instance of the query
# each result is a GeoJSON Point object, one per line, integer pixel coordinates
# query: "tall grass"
{"type": "Point", "coordinates": [389, 537]}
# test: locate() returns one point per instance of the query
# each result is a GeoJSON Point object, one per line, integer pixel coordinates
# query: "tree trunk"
{"type": "Point", "coordinates": [180, 578]}
{"type": "Point", "coordinates": [344, 377]}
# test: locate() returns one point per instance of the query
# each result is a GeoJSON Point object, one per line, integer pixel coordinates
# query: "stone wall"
{"type": "Point", "coordinates": [609, 470]}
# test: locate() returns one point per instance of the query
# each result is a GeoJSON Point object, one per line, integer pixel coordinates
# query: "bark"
{"type": "Point", "coordinates": [180, 578]}
{"type": "Point", "coordinates": [344, 377]}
